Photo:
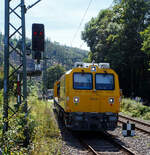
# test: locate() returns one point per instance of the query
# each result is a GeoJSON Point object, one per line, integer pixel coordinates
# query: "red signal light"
{"type": "Point", "coordinates": [41, 33]}
{"type": "Point", "coordinates": [35, 33]}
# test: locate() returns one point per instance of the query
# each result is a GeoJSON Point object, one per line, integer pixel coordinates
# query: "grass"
{"type": "Point", "coordinates": [43, 131]}
{"type": "Point", "coordinates": [13, 139]}
{"type": "Point", "coordinates": [46, 135]}
{"type": "Point", "coordinates": [135, 109]}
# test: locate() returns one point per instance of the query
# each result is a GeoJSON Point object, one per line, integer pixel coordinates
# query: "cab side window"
{"type": "Point", "coordinates": [58, 89]}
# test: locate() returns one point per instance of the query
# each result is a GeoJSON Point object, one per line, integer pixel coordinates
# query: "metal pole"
{"type": "Point", "coordinates": [43, 75]}
{"type": "Point", "coordinates": [25, 107]}
{"type": "Point", "coordinates": [30, 6]}
{"type": "Point", "coordinates": [44, 72]}
{"type": "Point", "coordinates": [24, 56]}
{"type": "Point", "coordinates": [6, 67]}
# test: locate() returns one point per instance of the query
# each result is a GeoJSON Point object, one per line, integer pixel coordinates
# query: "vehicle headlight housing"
{"type": "Point", "coordinates": [93, 68]}
{"type": "Point", "coordinates": [76, 99]}
{"type": "Point", "coordinates": [111, 100]}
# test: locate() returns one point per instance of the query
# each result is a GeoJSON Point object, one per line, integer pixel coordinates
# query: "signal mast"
{"type": "Point", "coordinates": [15, 26]}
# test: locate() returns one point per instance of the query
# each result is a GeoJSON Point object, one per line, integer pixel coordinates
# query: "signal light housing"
{"type": "Point", "coordinates": [38, 37]}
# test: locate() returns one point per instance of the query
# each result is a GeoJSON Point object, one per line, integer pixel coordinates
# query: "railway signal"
{"type": "Point", "coordinates": [37, 40]}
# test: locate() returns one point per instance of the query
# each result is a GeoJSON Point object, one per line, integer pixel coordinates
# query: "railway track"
{"type": "Point", "coordinates": [104, 144]}
{"type": "Point", "coordinates": [139, 125]}
{"type": "Point", "coordinates": [90, 143]}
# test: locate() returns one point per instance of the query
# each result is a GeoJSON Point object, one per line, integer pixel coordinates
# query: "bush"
{"type": "Point", "coordinates": [43, 133]}
{"type": "Point", "coordinates": [1, 97]}
{"type": "Point", "coordinates": [147, 116]}
{"type": "Point", "coordinates": [135, 109]}
{"type": "Point", "coordinates": [13, 139]}
{"type": "Point", "coordinates": [1, 78]}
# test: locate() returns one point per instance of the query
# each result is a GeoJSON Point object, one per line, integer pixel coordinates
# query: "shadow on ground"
{"type": "Point", "coordinates": [71, 138]}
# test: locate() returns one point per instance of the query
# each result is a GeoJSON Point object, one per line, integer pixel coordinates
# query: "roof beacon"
{"type": "Point", "coordinates": [104, 65]}
{"type": "Point", "coordinates": [86, 65]}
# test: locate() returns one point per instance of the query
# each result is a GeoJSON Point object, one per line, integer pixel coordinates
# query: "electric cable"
{"type": "Point", "coordinates": [81, 21]}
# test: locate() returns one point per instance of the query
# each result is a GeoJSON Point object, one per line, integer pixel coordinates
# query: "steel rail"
{"type": "Point", "coordinates": [111, 138]}
{"type": "Point", "coordinates": [137, 121]}
{"type": "Point", "coordinates": [88, 146]}
{"type": "Point", "coordinates": [138, 128]}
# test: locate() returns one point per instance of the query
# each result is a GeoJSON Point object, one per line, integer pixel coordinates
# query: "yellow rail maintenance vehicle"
{"type": "Point", "coordinates": [88, 97]}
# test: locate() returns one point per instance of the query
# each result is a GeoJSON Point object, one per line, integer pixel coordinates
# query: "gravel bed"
{"type": "Point", "coordinates": [140, 143]}
{"type": "Point", "coordinates": [70, 145]}
{"type": "Point", "coordinates": [138, 125]}
{"type": "Point", "coordinates": [103, 146]}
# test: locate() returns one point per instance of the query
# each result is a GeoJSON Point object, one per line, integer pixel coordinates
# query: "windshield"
{"type": "Point", "coordinates": [82, 81]}
{"type": "Point", "coordinates": [104, 81]}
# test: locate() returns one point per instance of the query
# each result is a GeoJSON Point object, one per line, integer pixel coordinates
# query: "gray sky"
{"type": "Point", "coordinates": [60, 17]}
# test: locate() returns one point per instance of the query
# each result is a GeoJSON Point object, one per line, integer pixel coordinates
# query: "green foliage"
{"type": "Point", "coordinates": [114, 37]}
{"type": "Point", "coordinates": [57, 54]}
{"type": "Point", "coordinates": [1, 97]}
{"type": "Point", "coordinates": [1, 112]}
{"type": "Point", "coordinates": [53, 74]}
{"type": "Point", "coordinates": [88, 60]}
{"type": "Point", "coordinates": [13, 140]}
{"type": "Point", "coordinates": [46, 137]}
{"type": "Point", "coordinates": [42, 130]}
{"type": "Point", "coordinates": [147, 116]}
{"type": "Point", "coordinates": [63, 55]}
{"type": "Point", "coordinates": [146, 40]}
{"type": "Point", "coordinates": [1, 77]}
{"type": "Point", "coordinates": [43, 133]}
{"type": "Point", "coordinates": [33, 88]}
{"type": "Point", "coordinates": [135, 109]}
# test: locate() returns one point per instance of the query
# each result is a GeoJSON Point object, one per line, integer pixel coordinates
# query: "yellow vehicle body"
{"type": "Point", "coordinates": [88, 102]}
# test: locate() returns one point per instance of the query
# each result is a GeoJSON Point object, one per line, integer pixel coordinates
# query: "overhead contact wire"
{"type": "Point", "coordinates": [81, 21]}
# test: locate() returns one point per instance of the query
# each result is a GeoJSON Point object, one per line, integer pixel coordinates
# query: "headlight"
{"type": "Point", "coordinates": [111, 100]}
{"type": "Point", "coordinates": [93, 68]}
{"type": "Point", "coordinates": [76, 99]}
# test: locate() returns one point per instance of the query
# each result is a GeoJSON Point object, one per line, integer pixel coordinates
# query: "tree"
{"type": "Point", "coordinates": [114, 37]}
{"type": "Point", "coordinates": [146, 40]}
{"type": "Point", "coordinates": [1, 78]}
{"type": "Point", "coordinates": [53, 74]}
{"type": "Point", "coordinates": [64, 55]}
{"type": "Point", "coordinates": [134, 18]}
